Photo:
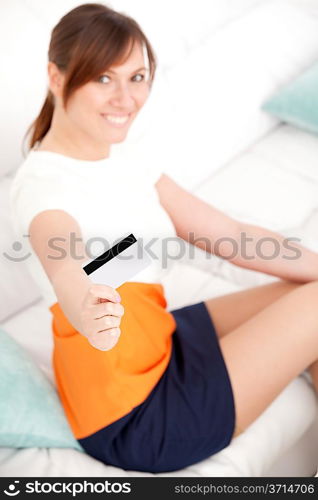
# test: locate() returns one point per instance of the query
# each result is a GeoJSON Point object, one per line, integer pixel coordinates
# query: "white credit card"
{"type": "Point", "coordinates": [118, 264]}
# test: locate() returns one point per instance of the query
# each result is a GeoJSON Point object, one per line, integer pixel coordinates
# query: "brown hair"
{"type": "Point", "coordinates": [85, 42]}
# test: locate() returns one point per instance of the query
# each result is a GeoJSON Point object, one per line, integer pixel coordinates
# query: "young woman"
{"type": "Point", "coordinates": [144, 388]}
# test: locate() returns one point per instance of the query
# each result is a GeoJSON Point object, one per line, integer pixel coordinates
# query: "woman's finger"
{"type": "Point", "coordinates": [97, 292]}
{"type": "Point", "coordinates": [105, 308]}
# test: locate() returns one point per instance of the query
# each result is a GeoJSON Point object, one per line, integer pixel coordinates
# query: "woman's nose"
{"type": "Point", "coordinates": [122, 96]}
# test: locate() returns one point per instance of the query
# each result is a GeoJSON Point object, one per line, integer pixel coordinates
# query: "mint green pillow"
{"type": "Point", "coordinates": [297, 102]}
{"type": "Point", "coordinates": [31, 414]}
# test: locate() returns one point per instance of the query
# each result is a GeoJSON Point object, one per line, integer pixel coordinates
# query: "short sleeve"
{"type": "Point", "coordinates": [32, 193]}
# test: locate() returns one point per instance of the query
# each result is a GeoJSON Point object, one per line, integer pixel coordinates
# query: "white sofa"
{"type": "Point", "coordinates": [209, 74]}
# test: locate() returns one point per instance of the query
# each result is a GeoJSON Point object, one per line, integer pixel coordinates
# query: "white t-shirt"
{"type": "Point", "coordinates": [110, 199]}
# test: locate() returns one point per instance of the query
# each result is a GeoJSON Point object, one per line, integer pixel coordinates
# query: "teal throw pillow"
{"type": "Point", "coordinates": [297, 102]}
{"type": "Point", "coordinates": [31, 414]}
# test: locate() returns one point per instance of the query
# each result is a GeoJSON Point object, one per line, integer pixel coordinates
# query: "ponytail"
{"type": "Point", "coordinates": [42, 123]}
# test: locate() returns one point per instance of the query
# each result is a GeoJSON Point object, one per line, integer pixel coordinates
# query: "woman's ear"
{"type": "Point", "coordinates": [56, 79]}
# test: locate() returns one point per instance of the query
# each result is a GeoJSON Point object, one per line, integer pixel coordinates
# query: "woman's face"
{"type": "Point", "coordinates": [104, 109]}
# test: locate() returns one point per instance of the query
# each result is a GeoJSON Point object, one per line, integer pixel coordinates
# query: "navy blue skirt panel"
{"type": "Point", "coordinates": [188, 416]}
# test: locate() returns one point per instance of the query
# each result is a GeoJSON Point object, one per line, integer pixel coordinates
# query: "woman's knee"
{"type": "Point", "coordinates": [309, 285]}
{"type": "Point", "coordinates": [311, 292]}
{"type": "Point", "coordinates": [308, 295]}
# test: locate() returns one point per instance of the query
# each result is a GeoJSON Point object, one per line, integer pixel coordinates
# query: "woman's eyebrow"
{"type": "Point", "coordinates": [111, 71]}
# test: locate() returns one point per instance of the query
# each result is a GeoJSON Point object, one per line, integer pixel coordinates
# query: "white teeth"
{"type": "Point", "coordinates": [116, 119]}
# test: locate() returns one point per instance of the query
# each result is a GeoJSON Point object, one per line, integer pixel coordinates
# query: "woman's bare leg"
{"type": "Point", "coordinates": [244, 304]}
{"type": "Point", "coordinates": [270, 349]}
{"type": "Point", "coordinates": [231, 310]}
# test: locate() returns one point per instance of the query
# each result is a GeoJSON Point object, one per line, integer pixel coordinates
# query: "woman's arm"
{"type": "Point", "coordinates": [53, 229]}
{"type": "Point", "coordinates": [245, 245]}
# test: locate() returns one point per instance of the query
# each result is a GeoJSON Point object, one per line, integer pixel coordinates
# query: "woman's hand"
{"type": "Point", "coordinates": [100, 317]}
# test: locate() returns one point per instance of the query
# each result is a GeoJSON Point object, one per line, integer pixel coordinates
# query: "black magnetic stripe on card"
{"type": "Point", "coordinates": [110, 254]}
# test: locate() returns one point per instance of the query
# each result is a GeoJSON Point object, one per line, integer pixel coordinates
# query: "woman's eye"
{"type": "Point", "coordinates": [141, 79]}
{"type": "Point", "coordinates": [102, 79]}
{"type": "Point", "coordinates": [105, 79]}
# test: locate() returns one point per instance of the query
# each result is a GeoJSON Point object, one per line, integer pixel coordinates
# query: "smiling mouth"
{"type": "Point", "coordinates": [116, 120]}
